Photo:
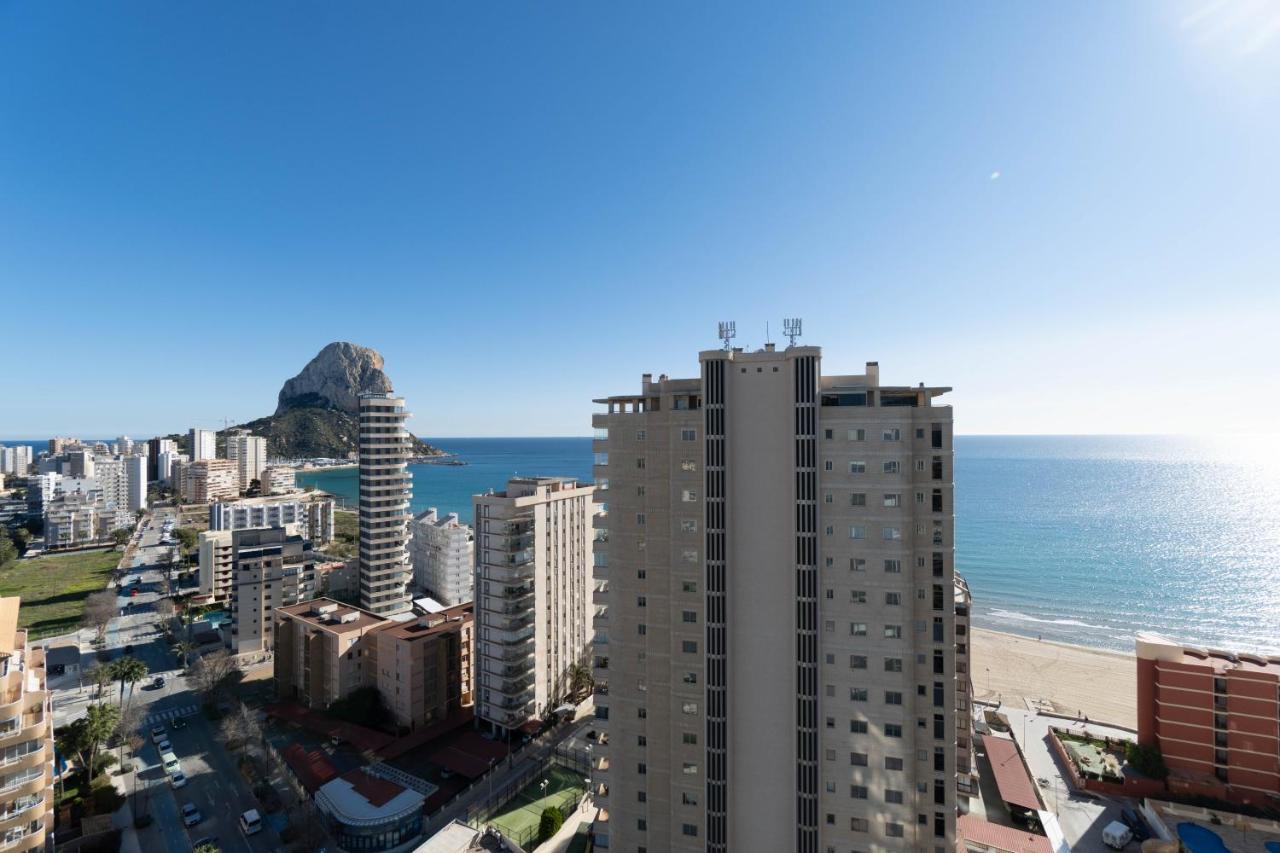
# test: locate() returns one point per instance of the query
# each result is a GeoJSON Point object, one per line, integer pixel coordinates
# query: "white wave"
{"type": "Point", "coordinates": [1023, 617]}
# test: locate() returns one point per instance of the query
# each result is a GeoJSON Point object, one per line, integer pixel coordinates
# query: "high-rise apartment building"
{"type": "Point", "coordinates": [16, 460]}
{"type": "Point", "coordinates": [209, 480]}
{"type": "Point", "coordinates": [533, 597]}
{"type": "Point", "coordinates": [278, 479]}
{"type": "Point", "coordinates": [155, 448]}
{"type": "Point", "coordinates": [202, 444]}
{"type": "Point", "coordinates": [61, 443]}
{"type": "Point", "coordinates": [775, 646]}
{"type": "Point", "coordinates": [135, 482]}
{"type": "Point", "coordinates": [26, 779]}
{"type": "Point", "coordinates": [441, 552]}
{"type": "Point", "coordinates": [214, 557]}
{"type": "Point", "coordinates": [423, 665]}
{"type": "Point", "coordinates": [249, 452]}
{"type": "Point", "coordinates": [270, 568]}
{"type": "Point", "coordinates": [385, 490]}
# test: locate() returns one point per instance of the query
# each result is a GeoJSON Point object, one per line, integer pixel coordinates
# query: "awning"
{"type": "Point", "coordinates": [1012, 778]}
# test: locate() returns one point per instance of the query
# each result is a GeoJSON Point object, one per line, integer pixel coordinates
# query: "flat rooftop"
{"type": "Point", "coordinates": [332, 616]}
{"type": "Point", "coordinates": [449, 619]}
{"type": "Point", "coordinates": [1159, 648]}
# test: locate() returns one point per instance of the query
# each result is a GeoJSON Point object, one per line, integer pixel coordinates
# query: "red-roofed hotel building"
{"type": "Point", "coordinates": [1215, 716]}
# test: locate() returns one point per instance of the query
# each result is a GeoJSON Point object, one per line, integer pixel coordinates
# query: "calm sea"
{"type": "Point", "coordinates": [1078, 539]}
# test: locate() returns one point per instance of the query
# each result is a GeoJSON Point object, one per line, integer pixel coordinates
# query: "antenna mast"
{"type": "Point", "coordinates": [791, 328]}
{"type": "Point", "coordinates": [728, 331]}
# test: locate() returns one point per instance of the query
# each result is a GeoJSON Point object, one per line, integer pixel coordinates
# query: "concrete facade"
{"type": "Point", "coordinates": [777, 557]}
{"type": "Point", "coordinates": [311, 515]}
{"type": "Point", "coordinates": [208, 480]}
{"type": "Point", "coordinates": [423, 666]}
{"type": "Point", "coordinates": [385, 491]}
{"type": "Point", "coordinates": [26, 734]}
{"type": "Point", "coordinates": [441, 551]}
{"type": "Point", "coordinates": [319, 656]}
{"type": "Point", "coordinates": [249, 453]}
{"type": "Point", "coordinates": [269, 568]}
{"type": "Point", "coordinates": [1215, 716]}
{"type": "Point", "coordinates": [278, 480]}
{"type": "Point", "coordinates": [215, 558]}
{"type": "Point", "coordinates": [533, 597]}
{"type": "Point", "coordinates": [202, 444]}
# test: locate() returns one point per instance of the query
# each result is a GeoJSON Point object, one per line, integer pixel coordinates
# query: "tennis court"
{"type": "Point", "coordinates": [519, 818]}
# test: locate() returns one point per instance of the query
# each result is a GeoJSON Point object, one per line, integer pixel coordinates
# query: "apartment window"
{"type": "Point", "coordinates": [690, 678]}
{"type": "Point", "coordinates": [826, 433]}
{"type": "Point", "coordinates": [857, 467]}
{"type": "Point", "coordinates": [641, 740]}
{"type": "Point", "coordinates": [891, 532]}
{"type": "Point", "coordinates": [639, 518]}
{"type": "Point", "coordinates": [689, 708]}
{"type": "Point", "coordinates": [642, 768]}
{"type": "Point", "coordinates": [642, 797]}
{"type": "Point", "coordinates": [639, 461]}
{"type": "Point", "coordinates": [858, 792]}
{"type": "Point", "coordinates": [892, 599]}
{"type": "Point", "coordinates": [826, 465]}
{"type": "Point", "coordinates": [829, 562]}
{"type": "Point", "coordinates": [690, 555]}
{"type": "Point", "coordinates": [859, 824]}
{"type": "Point", "coordinates": [831, 755]}
{"type": "Point", "coordinates": [640, 434]}
{"type": "Point", "coordinates": [831, 593]}
{"type": "Point", "coordinates": [689, 738]}
{"type": "Point", "coordinates": [640, 491]}
{"type": "Point", "coordinates": [858, 694]}
{"type": "Point", "coordinates": [892, 730]}
{"type": "Point", "coordinates": [919, 432]}
{"type": "Point", "coordinates": [688, 586]}
{"type": "Point", "coordinates": [857, 435]}
{"type": "Point", "coordinates": [858, 499]}
{"type": "Point", "coordinates": [829, 625]}
{"type": "Point", "coordinates": [641, 824]}
{"type": "Point", "coordinates": [688, 465]}
{"type": "Point", "coordinates": [892, 763]}
{"type": "Point", "coordinates": [857, 629]}
{"type": "Point", "coordinates": [688, 435]}
{"type": "Point", "coordinates": [893, 500]}
{"type": "Point", "coordinates": [689, 525]}
{"type": "Point", "coordinates": [641, 574]}
{"type": "Point", "coordinates": [826, 498]}
{"type": "Point", "coordinates": [689, 647]}
{"type": "Point", "coordinates": [858, 596]}
{"type": "Point", "coordinates": [831, 722]}
{"type": "Point", "coordinates": [919, 464]}
{"type": "Point", "coordinates": [689, 616]}
{"type": "Point", "coordinates": [892, 697]}
{"type": "Point", "coordinates": [893, 664]}
{"type": "Point", "coordinates": [640, 601]}
{"type": "Point", "coordinates": [831, 690]}
{"type": "Point", "coordinates": [893, 632]}
{"type": "Point", "coordinates": [858, 759]}
{"type": "Point", "coordinates": [689, 496]}
{"type": "Point", "coordinates": [892, 435]}
{"type": "Point", "coordinates": [689, 769]}
{"type": "Point", "coordinates": [830, 530]}
{"type": "Point", "coordinates": [857, 532]}
{"type": "Point", "coordinates": [890, 467]}
{"type": "Point", "coordinates": [857, 564]}
{"type": "Point", "coordinates": [857, 661]}
{"type": "Point", "coordinates": [689, 830]}
{"type": "Point", "coordinates": [642, 629]}
{"type": "Point", "coordinates": [892, 796]}
{"type": "Point", "coordinates": [642, 713]}
{"type": "Point", "coordinates": [894, 830]}
{"type": "Point", "coordinates": [858, 727]}
{"type": "Point", "coordinates": [688, 799]}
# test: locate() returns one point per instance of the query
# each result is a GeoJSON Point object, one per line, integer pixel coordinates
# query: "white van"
{"type": "Point", "coordinates": [170, 762]}
{"type": "Point", "coordinates": [250, 822]}
{"type": "Point", "coordinates": [1116, 835]}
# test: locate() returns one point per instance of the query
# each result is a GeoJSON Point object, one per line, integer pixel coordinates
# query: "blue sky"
{"type": "Point", "coordinates": [1068, 213]}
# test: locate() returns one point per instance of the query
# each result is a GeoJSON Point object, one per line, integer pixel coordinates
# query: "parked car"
{"type": "Point", "coordinates": [178, 780]}
{"type": "Point", "coordinates": [158, 734]}
{"type": "Point", "coordinates": [250, 822]}
{"type": "Point", "coordinates": [191, 815]}
{"type": "Point", "coordinates": [164, 746]}
{"type": "Point", "coordinates": [1116, 835]}
{"type": "Point", "coordinates": [158, 682]}
{"type": "Point", "coordinates": [1135, 823]}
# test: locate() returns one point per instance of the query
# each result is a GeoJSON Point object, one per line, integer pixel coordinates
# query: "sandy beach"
{"type": "Point", "coordinates": [1014, 669]}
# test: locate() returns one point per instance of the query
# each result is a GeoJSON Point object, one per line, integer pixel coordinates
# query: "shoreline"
{"type": "Point", "coordinates": [1076, 680]}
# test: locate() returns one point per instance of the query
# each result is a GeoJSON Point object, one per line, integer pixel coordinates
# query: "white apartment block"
{"type": "Point", "coordinates": [385, 491]}
{"type": "Point", "coordinates": [215, 559]}
{"type": "Point", "coordinates": [135, 476]}
{"type": "Point", "coordinates": [775, 616]}
{"type": "Point", "coordinates": [15, 460]}
{"type": "Point", "coordinates": [249, 453]}
{"type": "Point", "coordinates": [208, 480]}
{"type": "Point", "coordinates": [202, 444]}
{"type": "Point", "coordinates": [312, 517]}
{"type": "Point", "coordinates": [278, 480]}
{"type": "Point", "coordinates": [440, 550]}
{"type": "Point", "coordinates": [123, 446]}
{"type": "Point", "coordinates": [165, 463]}
{"type": "Point", "coordinates": [532, 596]}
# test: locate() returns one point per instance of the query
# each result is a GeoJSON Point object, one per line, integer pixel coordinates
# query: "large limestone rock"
{"type": "Point", "coordinates": [334, 379]}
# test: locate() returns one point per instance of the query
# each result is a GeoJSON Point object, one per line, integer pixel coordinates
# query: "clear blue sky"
{"type": "Point", "coordinates": [1070, 213]}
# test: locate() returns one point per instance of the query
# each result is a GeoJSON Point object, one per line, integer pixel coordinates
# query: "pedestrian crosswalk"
{"type": "Point", "coordinates": [171, 714]}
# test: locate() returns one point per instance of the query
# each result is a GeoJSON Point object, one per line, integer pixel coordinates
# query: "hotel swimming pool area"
{"type": "Point", "coordinates": [1201, 839]}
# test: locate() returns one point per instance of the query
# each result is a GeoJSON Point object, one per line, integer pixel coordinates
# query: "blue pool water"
{"type": "Point", "coordinates": [1272, 846]}
{"type": "Point", "coordinates": [1198, 839]}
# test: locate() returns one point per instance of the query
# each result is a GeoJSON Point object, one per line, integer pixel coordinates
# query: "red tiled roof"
{"type": "Point", "coordinates": [313, 769]}
{"type": "Point", "coordinates": [1016, 787]}
{"type": "Point", "coordinates": [377, 791]}
{"type": "Point", "coordinates": [973, 828]}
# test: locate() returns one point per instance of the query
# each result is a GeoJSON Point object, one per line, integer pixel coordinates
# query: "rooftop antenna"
{"type": "Point", "coordinates": [791, 328]}
{"type": "Point", "coordinates": [728, 331]}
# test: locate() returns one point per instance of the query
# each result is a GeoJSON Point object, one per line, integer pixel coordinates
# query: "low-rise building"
{"type": "Point", "coordinates": [312, 515]}
{"type": "Point", "coordinates": [423, 665]}
{"type": "Point", "coordinates": [1215, 716]}
{"type": "Point", "coordinates": [365, 812]}
{"type": "Point", "coordinates": [26, 777]}
{"type": "Point", "coordinates": [270, 568]}
{"type": "Point", "coordinates": [319, 656]}
{"type": "Point", "coordinates": [75, 519]}
{"type": "Point", "coordinates": [441, 552]}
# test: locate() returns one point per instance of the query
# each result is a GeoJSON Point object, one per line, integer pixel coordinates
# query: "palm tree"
{"type": "Point", "coordinates": [129, 670]}
{"type": "Point", "coordinates": [184, 648]}
{"type": "Point", "coordinates": [99, 675]}
{"type": "Point", "coordinates": [580, 680]}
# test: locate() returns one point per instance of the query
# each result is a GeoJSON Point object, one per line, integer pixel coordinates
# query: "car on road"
{"type": "Point", "coordinates": [178, 780]}
{"type": "Point", "coordinates": [158, 682]}
{"type": "Point", "coordinates": [170, 763]}
{"type": "Point", "coordinates": [158, 734]}
{"type": "Point", "coordinates": [164, 746]}
{"type": "Point", "coordinates": [191, 815]}
{"type": "Point", "coordinates": [250, 822]}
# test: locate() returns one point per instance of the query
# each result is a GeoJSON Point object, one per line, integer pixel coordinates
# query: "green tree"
{"type": "Point", "coordinates": [128, 670]}
{"type": "Point", "coordinates": [99, 675]}
{"type": "Point", "coordinates": [85, 736]}
{"type": "Point", "coordinates": [21, 539]}
{"type": "Point", "coordinates": [183, 649]}
{"type": "Point", "coordinates": [580, 680]}
{"type": "Point", "coordinates": [120, 536]}
{"type": "Point", "coordinates": [186, 537]}
{"type": "Point", "coordinates": [1146, 759]}
{"type": "Point", "coordinates": [8, 553]}
{"type": "Point", "coordinates": [550, 823]}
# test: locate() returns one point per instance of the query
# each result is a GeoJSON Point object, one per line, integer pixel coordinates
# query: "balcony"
{"type": "Point", "coordinates": [505, 638]}
{"type": "Point", "coordinates": [515, 688]}
{"type": "Point", "coordinates": [511, 626]}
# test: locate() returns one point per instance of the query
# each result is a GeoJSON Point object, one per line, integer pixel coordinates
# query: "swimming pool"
{"type": "Point", "coordinates": [1272, 846]}
{"type": "Point", "coordinates": [1199, 839]}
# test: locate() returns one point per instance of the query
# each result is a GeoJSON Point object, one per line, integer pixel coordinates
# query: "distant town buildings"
{"type": "Point", "coordinates": [440, 550]}
{"type": "Point", "coordinates": [533, 597]}
{"type": "Point", "coordinates": [16, 460]}
{"type": "Point", "coordinates": [312, 514]}
{"type": "Point", "coordinates": [1214, 715]}
{"type": "Point", "coordinates": [26, 778]}
{"type": "Point", "coordinates": [278, 480]}
{"type": "Point", "coordinates": [249, 453]}
{"type": "Point", "coordinates": [59, 443]}
{"type": "Point", "coordinates": [385, 490]}
{"type": "Point", "coordinates": [166, 462]}
{"type": "Point", "coordinates": [202, 444]}
{"type": "Point", "coordinates": [208, 480]}
{"type": "Point", "coordinates": [270, 568]}
{"type": "Point", "coordinates": [775, 622]}
{"type": "Point", "coordinates": [156, 448]}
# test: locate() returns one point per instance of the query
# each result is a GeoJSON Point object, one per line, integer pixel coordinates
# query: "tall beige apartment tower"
{"type": "Point", "coordinates": [249, 453]}
{"type": "Point", "coordinates": [774, 611]}
{"type": "Point", "coordinates": [532, 597]}
{"type": "Point", "coordinates": [27, 777]}
{"type": "Point", "coordinates": [385, 489]}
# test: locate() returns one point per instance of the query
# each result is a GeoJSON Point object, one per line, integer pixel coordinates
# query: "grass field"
{"type": "Point", "coordinates": [53, 588]}
{"type": "Point", "coordinates": [520, 820]}
{"type": "Point", "coordinates": [346, 533]}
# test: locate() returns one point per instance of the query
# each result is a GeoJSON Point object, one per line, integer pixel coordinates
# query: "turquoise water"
{"type": "Point", "coordinates": [1078, 539]}
{"type": "Point", "coordinates": [1198, 839]}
